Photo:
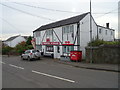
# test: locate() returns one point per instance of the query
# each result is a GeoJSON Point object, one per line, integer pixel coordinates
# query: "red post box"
{"type": "Point", "coordinates": [76, 55]}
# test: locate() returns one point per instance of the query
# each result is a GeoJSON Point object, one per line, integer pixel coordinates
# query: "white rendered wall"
{"type": "Point", "coordinates": [17, 40]}
{"type": "Point", "coordinates": [14, 42]}
{"type": "Point", "coordinates": [85, 33]}
{"type": "Point", "coordinates": [58, 32]}
{"type": "Point", "coordinates": [104, 36]}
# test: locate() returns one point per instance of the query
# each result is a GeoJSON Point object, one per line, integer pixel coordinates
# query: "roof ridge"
{"type": "Point", "coordinates": [70, 20]}
{"type": "Point", "coordinates": [11, 38]}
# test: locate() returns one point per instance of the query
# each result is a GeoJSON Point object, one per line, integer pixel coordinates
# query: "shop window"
{"type": "Point", "coordinates": [49, 48]}
{"type": "Point", "coordinates": [64, 49]}
{"type": "Point", "coordinates": [67, 49]}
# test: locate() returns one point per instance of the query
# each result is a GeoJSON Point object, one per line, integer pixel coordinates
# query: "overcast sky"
{"type": "Point", "coordinates": [16, 18]}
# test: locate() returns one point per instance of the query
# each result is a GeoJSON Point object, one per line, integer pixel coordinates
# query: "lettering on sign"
{"type": "Point", "coordinates": [50, 43]}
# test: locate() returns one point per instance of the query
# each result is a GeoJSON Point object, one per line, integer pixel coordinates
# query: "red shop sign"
{"type": "Point", "coordinates": [50, 43]}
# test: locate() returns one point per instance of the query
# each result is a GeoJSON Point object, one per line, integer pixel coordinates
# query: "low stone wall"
{"type": "Point", "coordinates": [104, 54]}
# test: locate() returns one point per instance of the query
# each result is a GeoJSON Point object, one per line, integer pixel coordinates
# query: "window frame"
{"type": "Point", "coordinates": [105, 32]}
{"type": "Point", "coordinates": [100, 30]}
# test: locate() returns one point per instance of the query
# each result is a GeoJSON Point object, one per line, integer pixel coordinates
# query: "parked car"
{"type": "Point", "coordinates": [31, 54]}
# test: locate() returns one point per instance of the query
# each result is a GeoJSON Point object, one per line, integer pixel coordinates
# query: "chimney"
{"type": "Point", "coordinates": [107, 25]}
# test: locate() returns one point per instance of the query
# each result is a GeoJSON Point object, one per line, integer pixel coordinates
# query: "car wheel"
{"type": "Point", "coordinates": [28, 59]}
{"type": "Point", "coordinates": [22, 58]}
{"type": "Point", "coordinates": [39, 58]}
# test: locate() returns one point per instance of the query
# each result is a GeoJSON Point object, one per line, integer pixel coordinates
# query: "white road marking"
{"type": "Point", "coordinates": [15, 66]}
{"type": "Point", "coordinates": [53, 76]}
{"type": "Point", "coordinates": [2, 62]}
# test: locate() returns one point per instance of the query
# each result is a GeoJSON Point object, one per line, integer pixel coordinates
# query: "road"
{"type": "Point", "coordinates": [46, 73]}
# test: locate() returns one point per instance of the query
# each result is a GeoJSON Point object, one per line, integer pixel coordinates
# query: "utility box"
{"type": "Point", "coordinates": [76, 55]}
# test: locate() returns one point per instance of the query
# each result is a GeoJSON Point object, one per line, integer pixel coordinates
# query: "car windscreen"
{"type": "Point", "coordinates": [34, 51]}
{"type": "Point", "coordinates": [27, 51]}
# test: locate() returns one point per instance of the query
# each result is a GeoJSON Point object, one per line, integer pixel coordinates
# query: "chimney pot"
{"type": "Point", "coordinates": [107, 25]}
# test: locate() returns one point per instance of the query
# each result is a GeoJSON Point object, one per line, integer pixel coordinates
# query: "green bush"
{"type": "Point", "coordinates": [21, 47]}
{"type": "Point", "coordinates": [98, 42]}
{"type": "Point", "coordinates": [6, 50]}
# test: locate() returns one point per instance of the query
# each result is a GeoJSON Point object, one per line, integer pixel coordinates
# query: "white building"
{"type": "Point", "coordinates": [60, 37]}
{"type": "Point", "coordinates": [13, 41]}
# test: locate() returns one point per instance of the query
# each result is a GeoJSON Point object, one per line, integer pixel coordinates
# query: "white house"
{"type": "Point", "coordinates": [13, 41]}
{"type": "Point", "coordinates": [61, 37]}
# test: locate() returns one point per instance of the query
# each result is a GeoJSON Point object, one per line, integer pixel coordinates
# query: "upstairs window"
{"type": "Point", "coordinates": [37, 34]}
{"type": "Point", "coordinates": [49, 32]}
{"type": "Point", "coordinates": [111, 32]}
{"type": "Point", "coordinates": [71, 29]}
{"type": "Point", "coordinates": [68, 29]}
{"type": "Point", "coordinates": [100, 31]}
{"type": "Point", "coordinates": [106, 32]}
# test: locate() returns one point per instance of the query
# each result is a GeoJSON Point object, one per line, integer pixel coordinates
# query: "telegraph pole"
{"type": "Point", "coordinates": [90, 34]}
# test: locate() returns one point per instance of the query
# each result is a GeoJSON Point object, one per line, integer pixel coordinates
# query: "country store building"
{"type": "Point", "coordinates": [61, 37]}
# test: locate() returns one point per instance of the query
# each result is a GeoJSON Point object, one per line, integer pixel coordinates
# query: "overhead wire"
{"type": "Point", "coordinates": [45, 9]}
{"type": "Point", "coordinates": [27, 12]}
{"type": "Point", "coordinates": [58, 10]}
{"type": "Point", "coordinates": [108, 12]}
{"type": "Point", "coordinates": [16, 29]}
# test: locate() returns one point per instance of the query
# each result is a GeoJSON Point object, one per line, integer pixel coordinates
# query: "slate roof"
{"type": "Point", "coordinates": [105, 27]}
{"type": "Point", "coordinates": [12, 38]}
{"type": "Point", "coordinates": [68, 21]}
{"type": "Point", "coordinates": [26, 37]}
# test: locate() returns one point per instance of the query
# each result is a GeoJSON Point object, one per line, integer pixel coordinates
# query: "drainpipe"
{"type": "Point", "coordinates": [78, 36]}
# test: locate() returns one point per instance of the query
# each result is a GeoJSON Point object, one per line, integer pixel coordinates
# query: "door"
{"type": "Point", "coordinates": [57, 52]}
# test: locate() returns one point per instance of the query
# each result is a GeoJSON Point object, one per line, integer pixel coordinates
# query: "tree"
{"type": "Point", "coordinates": [28, 42]}
{"type": "Point", "coordinates": [20, 47]}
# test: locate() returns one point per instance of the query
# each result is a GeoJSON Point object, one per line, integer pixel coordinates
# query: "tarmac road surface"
{"type": "Point", "coordinates": [46, 73]}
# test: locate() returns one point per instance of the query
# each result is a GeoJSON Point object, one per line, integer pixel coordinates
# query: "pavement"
{"type": "Point", "coordinates": [94, 66]}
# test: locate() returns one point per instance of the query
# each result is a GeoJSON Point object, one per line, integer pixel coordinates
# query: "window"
{"type": "Point", "coordinates": [27, 51]}
{"type": "Point", "coordinates": [100, 31]}
{"type": "Point", "coordinates": [68, 29]}
{"type": "Point", "coordinates": [34, 51]}
{"type": "Point", "coordinates": [49, 48]}
{"type": "Point", "coordinates": [111, 33]}
{"type": "Point", "coordinates": [38, 34]}
{"type": "Point", "coordinates": [106, 32]}
{"type": "Point", "coordinates": [49, 32]}
{"type": "Point", "coordinates": [71, 28]}
{"type": "Point", "coordinates": [67, 49]}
